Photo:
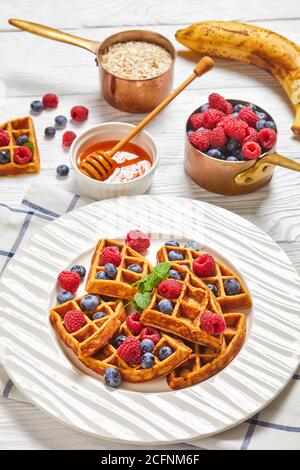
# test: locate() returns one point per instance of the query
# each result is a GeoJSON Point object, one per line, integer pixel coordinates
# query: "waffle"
{"type": "Point", "coordinates": [108, 357]}
{"type": "Point", "coordinates": [120, 287]}
{"type": "Point", "coordinates": [14, 129]}
{"type": "Point", "coordinates": [204, 362]}
{"type": "Point", "coordinates": [184, 321]}
{"type": "Point", "coordinates": [95, 333]}
{"type": "Point", "coordinates": [228, 303]}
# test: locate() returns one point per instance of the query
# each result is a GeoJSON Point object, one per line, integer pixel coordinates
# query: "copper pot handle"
{"type": "Point", "coordinates": [263, 166]}
{"type": "Point", "coordinates": [55, 34]}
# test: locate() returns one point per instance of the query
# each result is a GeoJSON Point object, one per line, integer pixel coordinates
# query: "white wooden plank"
{"type": "Point", "coordinates": [75, 13]}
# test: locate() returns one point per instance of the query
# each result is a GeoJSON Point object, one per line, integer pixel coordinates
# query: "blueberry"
{"type": "Point", "coordinates": [231, 158]}
{"type": "Point", "coordinates": [233, 145]}
{"type": "Point", "coordinates": [22, 139]}
{"type": "Point", "coordinates": [203, 108]}
{"type": "Point", "coordinates": [260, 124]}
{"type": "Point", "coordinates": [261, 115]}
{"type": "Point", "coordinates": [61, 121]}
{"type": "Point", "coordinates": [119, 340]}
{"type": "Point", "coordinates": [4, 156]}
{"type": "Point", "coordinates": [37, 106]}
{"type": "Point", "coordinates": [115, 247]}
{"type": "Point", "coordinates": [165, 306]}
{"type": "Point", "coordinates": [147, 345]}
{"type": "Point", "coordinates": [101, 275]}
{"type": "Point", "coordinates": [164, 352]}
{"type": "Point", "coordinates": [235, 115]}
{"type": "Point", "coordinates": [89, 302]}
{"type": "Point", "coordinates": [271, 125]}
{"type": "Point", "coordinates": [112, 377]}
{"type": "Point", "coordinates": [64, 296]}
{"type": "Point", "coordinates": [232, 287]}
{"type": "Point", "coordinates": [147, 360]}
{"type": "Point", "coordinates": [175, 256]}
{"type": "Point", "coordinates": [238, 107]}
{"type": "Point", "coordinates": [213, 288]}
{"type": "Point", "coordinates": [50, 131]}
{"type": "Point", "coordinates": [110, 270]}
{"type": "Point", "coordinates": [77, 268]}
{"type": "Point", "coordinates": [193, 245]}
{"type": "Point", "coordinates": [98, 315]}
{"type": "Point", "coordinates": [239, 155]}
{"type": "Point", "coordinates": [174, 274]}
{"type": "Point", "coordinates": [215, 153]}
{"type": "Point", "coordinates": [172, 243]}
{"type": "Point", "coordinates": [62, 170]}
{"type": "Point", "coordinates": [136, 268]}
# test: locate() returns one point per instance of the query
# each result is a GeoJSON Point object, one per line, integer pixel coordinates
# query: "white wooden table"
{"type": "Point", "coordinates": [32, 66]}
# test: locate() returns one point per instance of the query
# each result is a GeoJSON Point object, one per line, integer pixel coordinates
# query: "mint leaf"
{"type": "Point", "coordinates": [29, 145]}
{"type": "Point", "coordinates": [161, 270]}
{"type": "Point", "coordinates": [142, 300]}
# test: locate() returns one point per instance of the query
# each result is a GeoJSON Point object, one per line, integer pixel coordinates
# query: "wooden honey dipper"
{"type": "Point", "coordinates": [100, 165]}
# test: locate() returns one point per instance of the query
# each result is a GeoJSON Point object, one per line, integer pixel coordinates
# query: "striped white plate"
{"type": "Point", "coordinates": [150, 413]}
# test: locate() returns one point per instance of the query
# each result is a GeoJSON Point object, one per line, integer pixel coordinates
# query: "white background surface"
{"type": "Point", "coordinates": [32, 66]}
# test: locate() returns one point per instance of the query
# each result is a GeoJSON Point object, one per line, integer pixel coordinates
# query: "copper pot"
{"type": "Point", "coordinates": [232, 178]}
{"type": "Point", "coordinates": [133, 96]}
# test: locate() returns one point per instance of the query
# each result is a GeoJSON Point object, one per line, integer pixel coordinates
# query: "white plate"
{"type": "Point", "coordinates": [150, 413]}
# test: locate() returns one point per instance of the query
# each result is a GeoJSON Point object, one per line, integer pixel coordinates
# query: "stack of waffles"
{"type": "Point", "coordinates": [193, 355]}
{"type": "Point", "coordinates": [12, 130]}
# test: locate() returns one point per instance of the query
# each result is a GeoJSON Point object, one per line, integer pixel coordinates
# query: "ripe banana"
{"type": "Point", "coordinates": [253, 45]}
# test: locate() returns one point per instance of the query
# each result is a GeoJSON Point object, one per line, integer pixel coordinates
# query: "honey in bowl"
{"type": "Point", "coordinates": [132, 160]}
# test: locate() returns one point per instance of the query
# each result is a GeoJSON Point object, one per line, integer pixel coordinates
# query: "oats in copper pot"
{"type": "Point", "coordinates": [136, 60]}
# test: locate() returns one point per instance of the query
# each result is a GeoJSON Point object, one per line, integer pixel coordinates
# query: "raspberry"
{"type": "Point", "coordinates": [79, 113]}
{"type": "Point", "coordinates": [225, 119]}
{"type": "Point", "coordinates": [134, 324]}
{"type": "Point", "coordinates": [217, 101]}
{"type": "Point", "coordinates": [130, 351]}
{"type": "Point", "coordinates": [248, 115]}
{"type": "Point", "coordinates": [211, 117]}
{"type": "Point", "coordinates": [251, 135]}
{"type": "Point", "coordinates": [217, 138]}
{"type": "Point", "coordinates": [212, 323]}
{"type": "Point", "coordinates": [137, 240]}
{"type": "Point", "coordinates": [200, 139]}
{"type": "Point", "coordinates": [4, 138]}
{"type": "Point", "coordinates": [150, 333]}
{"type": "Point", "coordinates": [204, 266]}
{"type": "Point", "coordinates": [74, 320]}
{"type": "Point", "coordinates": [196, 120]}
{"type": "Point", "coordinates": [267, 138]}
{"type": "Point", "coordinates": [50, 100]}
{"type": "Point", "coordinates": [169, 288]}
{"type": "Point", "coordinates": [110, 255]}
{"type": "Point", "coordinates": [235, 129]}
{"type": "Point", "coordinates": [22, 155]}
{"type": "Point", "coordinates": [69, 280]}
{"type": "Point", "coordinates": [251, 150]}
{"type": "Point", "coordinates": [68, 138]}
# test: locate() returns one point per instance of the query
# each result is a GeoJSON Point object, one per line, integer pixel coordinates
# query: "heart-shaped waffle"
{"type": "Point", "coordinates": [227, 302]}
{"type": "Point", "coordinates": [15, 128]}
{"type": "Point", "coordinates": [185, 320]}
{"type": "Point", "coordinates": [120, 287]}
{"type": "Point", "coordinates": [108, 357]}
{"type": "Point", "coordinates": [205, 362]}
{"type": "Point", "coordinates": [94, 334]}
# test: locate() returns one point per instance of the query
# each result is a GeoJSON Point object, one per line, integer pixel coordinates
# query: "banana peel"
{"type": "Point", "coordinates": [253, 45]}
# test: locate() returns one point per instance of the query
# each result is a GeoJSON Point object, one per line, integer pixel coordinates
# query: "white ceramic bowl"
{"type": "Point", "coordinates": [112, 131]}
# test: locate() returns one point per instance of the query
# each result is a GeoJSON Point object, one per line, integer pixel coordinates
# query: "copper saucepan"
{"type": "Point", "coordinates": [133, 96]}
{"type": "Point", "coordinates": [233, 178]}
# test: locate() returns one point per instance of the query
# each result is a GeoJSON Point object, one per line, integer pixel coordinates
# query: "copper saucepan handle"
{"type": "Point", "coordinates": [263, 166]}
{"type": "Point", "coordinates": [55, 34]}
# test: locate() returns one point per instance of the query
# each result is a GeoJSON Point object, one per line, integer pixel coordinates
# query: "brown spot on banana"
{"type": "Point", "coordinates": [251, 44]}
